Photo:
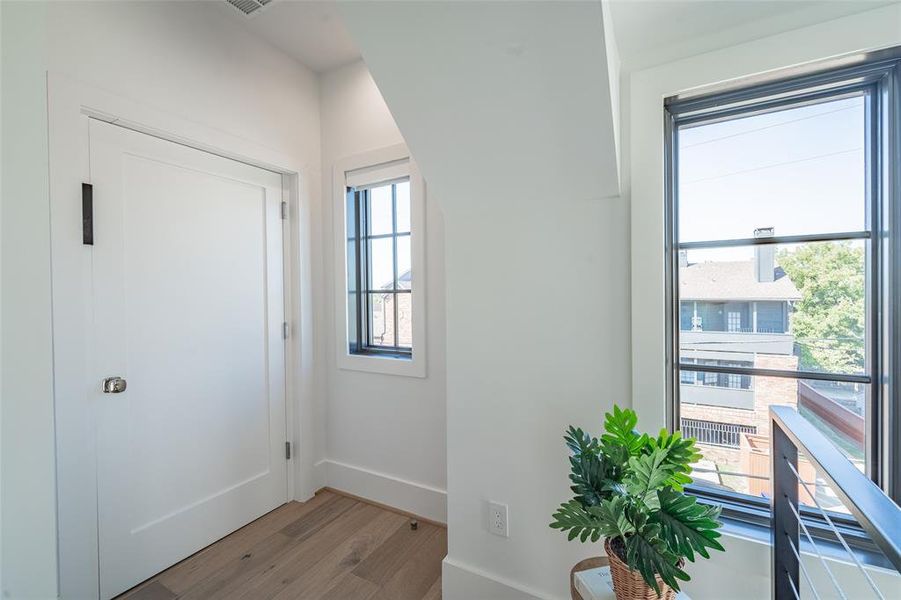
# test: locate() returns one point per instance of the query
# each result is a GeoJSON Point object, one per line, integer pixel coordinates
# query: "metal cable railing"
{"type": "Point", "coordinates": [875, 512]}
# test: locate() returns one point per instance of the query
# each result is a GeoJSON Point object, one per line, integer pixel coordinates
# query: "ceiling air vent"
{"type": "Point", "coordinates": [249, 7]}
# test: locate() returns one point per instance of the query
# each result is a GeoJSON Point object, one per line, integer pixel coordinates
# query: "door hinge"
{"type": "Point", "coordinates": [287, 450]}
{"type": "Point", "coordinates": [285, 330]}
{"type": "Point", "coordinates": [284, 210]}
{"type": "Point", "coordinates": [87, 214]}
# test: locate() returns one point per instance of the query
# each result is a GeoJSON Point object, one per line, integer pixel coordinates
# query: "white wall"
{"type": "Point", "coordinates": [385, 434]}
{"type": "Point", "coordinates": [27, 469]}
{"type": "Point", "coordinates": [183, 58]}
{"type": "Point", "coordinates": [744, 569]}
{"type": "Point", "coordinates": [507, 108]}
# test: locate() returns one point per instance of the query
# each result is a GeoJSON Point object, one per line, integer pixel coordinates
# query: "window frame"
{"type": "Point", "coordinates": [363, 343]}
{"type": "Point", "coordinates": [878, 76]}
{"type": "Point", "coordinates": [390, 361]}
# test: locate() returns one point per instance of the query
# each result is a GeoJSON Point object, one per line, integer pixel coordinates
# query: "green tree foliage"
{"type": "Point", "coordinates": [828, 321]}
{"type": "Point", "coordinates": [628, 485]}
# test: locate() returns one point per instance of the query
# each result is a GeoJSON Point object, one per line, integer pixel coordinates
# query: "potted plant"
{"type": "Point", "coordinates": [628, 489]}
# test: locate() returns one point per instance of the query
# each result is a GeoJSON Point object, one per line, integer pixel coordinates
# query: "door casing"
{"type": "Point", "coordinates": [70, 106]}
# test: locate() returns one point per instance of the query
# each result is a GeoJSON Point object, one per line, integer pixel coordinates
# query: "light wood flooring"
{"type": "Point", "coordinates": [332, 547]}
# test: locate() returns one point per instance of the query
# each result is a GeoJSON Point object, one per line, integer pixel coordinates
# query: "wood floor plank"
{"type": "Point", "coordinates": [329, 548]}
{"type": "Point", "coordinates": [350, 586]}
{"type": "Point", "coordinates": [312, 522]}
{"type": "Point", "coordinates": [416, 576]}
{"type": "Point", "coordinates": [264, 555]}
{"type": "Point", "coordinates": [434, 592]}
{"type": "Point", "coordinates": [152, 591]}
{"type": "Point", "coordinates": [184, 575]}
{"type": "Point", "coordinates": [381, 565]}
{"type": "Point", "coordinates": [305, 555]}
{"type": "Point", "coordinates": [314, 583]}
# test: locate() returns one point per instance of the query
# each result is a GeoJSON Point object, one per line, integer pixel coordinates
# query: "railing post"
{"type": "Point", "coordinates": [785, 524]}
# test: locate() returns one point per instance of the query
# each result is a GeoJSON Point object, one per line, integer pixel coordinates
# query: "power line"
{"type": "Point", "coordinates": [740, 133]}
{"type": "Point", "coordinates": [763, 168]}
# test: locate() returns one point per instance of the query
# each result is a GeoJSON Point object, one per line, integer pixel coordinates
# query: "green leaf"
{"type": "Point", "coordinates": [611, 517]}
{"type": "Point", "coordinates": [648, 473]}
{"type": "Point", "coordinates": [588, 477]}
{"type": "Point", "coordinates": [648, 554]}
{"type": "Point", "coordinates": [607, 519]}
{"type": "Point", "coordinates": [580, 442]}
{"type": "Point", "coordinates": [686, 526]}
{"type": "Point", "coordinates": [588, 468]}
{"type": "Point", "coordinates": [681, 453]}
{"type": "Point", "coordinates": [617, 459]}
{"type": "Point", "coordinates": [620, 428]}
{"type": "Point", "coordinates": [572, 517]}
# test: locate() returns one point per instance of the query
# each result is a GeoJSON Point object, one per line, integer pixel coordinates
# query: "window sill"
{"type": "Point", "coordinates": [385, 363]}
{"type": "Point", "coordinates": [384, 354]}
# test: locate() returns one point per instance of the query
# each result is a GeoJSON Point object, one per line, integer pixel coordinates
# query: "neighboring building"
{"type": "Point", "coordinates": [383, 315]}
{"type": "Point", "coordinates": [734, 313]}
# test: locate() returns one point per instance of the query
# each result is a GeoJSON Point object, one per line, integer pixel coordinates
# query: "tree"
{"type": "Point", "coordinates": [828, 321]}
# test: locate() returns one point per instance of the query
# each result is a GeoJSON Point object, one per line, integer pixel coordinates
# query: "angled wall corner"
{"type": "Point", "coordinates": [515, 98]}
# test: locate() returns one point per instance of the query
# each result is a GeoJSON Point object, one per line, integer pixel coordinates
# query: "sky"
{"type": "Point", "coordinates": [381, 249]}
{"type": "Point", "coordinates": [800, 170]}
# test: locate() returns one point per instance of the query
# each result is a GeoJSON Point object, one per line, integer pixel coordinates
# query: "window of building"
{"type": "Point", "coordinates": [380, 257]}
{"type": "Point", "coordinates": [708, 378]}
{"type": "Point", "coordinates": [782, 251]}
{"type": "Point", "coordinates": [772, 317]}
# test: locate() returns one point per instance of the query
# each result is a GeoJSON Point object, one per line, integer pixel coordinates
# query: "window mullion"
{"type": "Point", "coordinates": [774, 240]}
{"type": "Point", "coordinates": [394, 261]}
{"type": "Point", "coordinates": [367, 267]}
{"type": "Point", "coordinates": [358, 247]}
{"type": "Point", "coordinates": [758, 372]}
{"type": "Point", "coordinates": [874, 412]}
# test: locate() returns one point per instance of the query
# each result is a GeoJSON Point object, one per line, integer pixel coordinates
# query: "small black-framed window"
{"type": "Point", "coordinates": [379, 269]}
{"type": "Point", "coordinates": [783, 253]}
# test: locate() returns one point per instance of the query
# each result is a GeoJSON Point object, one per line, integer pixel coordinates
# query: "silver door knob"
{"type": "Point", "coordinates": [114, 385]}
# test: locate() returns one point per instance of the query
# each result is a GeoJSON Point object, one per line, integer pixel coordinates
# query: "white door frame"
{"type": "Point", "coordinates": [70, 106]}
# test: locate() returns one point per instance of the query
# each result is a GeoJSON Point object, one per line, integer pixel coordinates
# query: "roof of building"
{"type": "Point", "coordinates": [404, 281]}
{"type": "Point", "coordinates": [733, 280]}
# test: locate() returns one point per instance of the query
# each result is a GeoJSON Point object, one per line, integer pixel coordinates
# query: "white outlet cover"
{"type": "Point", "coordinates": [498, 519]}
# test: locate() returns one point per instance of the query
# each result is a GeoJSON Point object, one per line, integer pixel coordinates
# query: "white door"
{"type": "Point", "coordinates": [188, 309]}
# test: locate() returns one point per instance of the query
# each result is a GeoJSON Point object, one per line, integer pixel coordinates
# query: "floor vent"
{"type": "Point", "coordinates": [249, 7]}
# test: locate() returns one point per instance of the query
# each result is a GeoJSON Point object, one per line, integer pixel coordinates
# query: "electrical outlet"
{"type": "Point", "coordinates": [497, 519]}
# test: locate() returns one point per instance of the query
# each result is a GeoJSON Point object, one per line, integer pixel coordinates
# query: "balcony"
{"type": "Point", "coordinates": [737, 341]}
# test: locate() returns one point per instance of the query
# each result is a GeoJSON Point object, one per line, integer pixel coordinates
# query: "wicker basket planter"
{"type": "Point", "coordinates": [628, 584]}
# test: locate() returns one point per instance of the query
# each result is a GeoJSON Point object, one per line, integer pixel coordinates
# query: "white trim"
{"type": "Point", "coordinates": [409, 367]}
{"type": "Point", "coordinates": [420, 499]}
{"type": "Point", "coordinates": [70, 105]}
{"type": "Point", "coordinates": [464, 582]}
{"type": "Point", "coordinates": [375, 175]}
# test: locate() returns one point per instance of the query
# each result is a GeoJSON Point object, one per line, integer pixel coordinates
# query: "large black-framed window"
{"type": "Point", "coordinates": [754, 176]}
{"type": "Point", "coordinates": [379, 269]}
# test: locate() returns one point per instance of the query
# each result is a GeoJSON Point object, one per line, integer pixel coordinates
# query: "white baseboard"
{"type": "Point", "coordinates": [464, 582]}
{"type": "Point", "coordinates": [416, 498]}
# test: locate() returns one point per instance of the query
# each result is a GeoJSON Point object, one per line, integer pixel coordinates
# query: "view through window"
{"type": "Point", "coordinates": [773, 263]}
{"type": "Point", "coordinates": [379, 269]}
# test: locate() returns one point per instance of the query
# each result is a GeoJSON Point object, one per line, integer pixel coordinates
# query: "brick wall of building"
{"type": "Point", "coordinates": [767, 391]}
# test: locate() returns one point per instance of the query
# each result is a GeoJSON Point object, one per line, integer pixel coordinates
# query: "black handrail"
{"type": "Point", "coordinates": [875, 512]}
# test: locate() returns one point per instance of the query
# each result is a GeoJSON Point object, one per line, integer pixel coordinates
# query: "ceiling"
{"type": "Point", "coordinates": [650, 32]}
{"type": "Point", "coordinates": [309, 30]}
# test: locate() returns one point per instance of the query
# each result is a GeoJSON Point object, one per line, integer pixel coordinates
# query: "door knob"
{"type": "Point", "coordinates": [114, 385]}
